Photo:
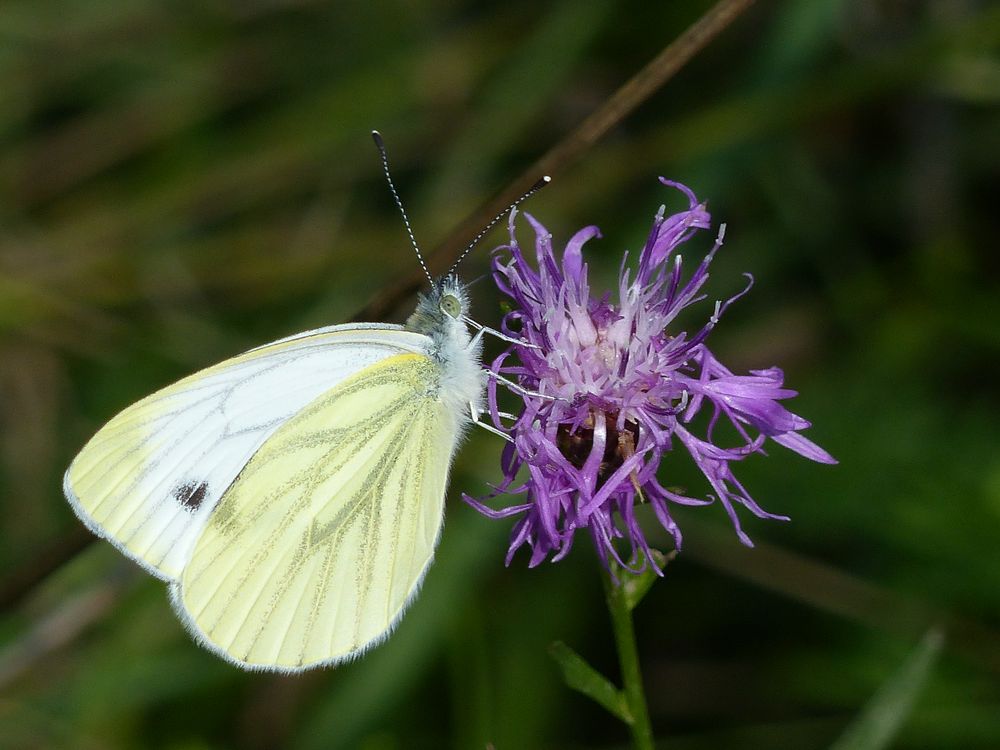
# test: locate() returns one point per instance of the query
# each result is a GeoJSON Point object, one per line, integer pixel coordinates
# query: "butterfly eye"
{"type": "Point", "coordinates": [451, 305]}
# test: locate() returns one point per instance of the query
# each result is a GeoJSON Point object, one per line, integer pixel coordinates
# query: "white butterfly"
{"type": "Point", "coordinates": [292, 496]}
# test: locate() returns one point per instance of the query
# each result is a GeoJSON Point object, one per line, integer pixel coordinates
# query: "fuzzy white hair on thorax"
{"type": "Point", "coordinates": [439, 316]}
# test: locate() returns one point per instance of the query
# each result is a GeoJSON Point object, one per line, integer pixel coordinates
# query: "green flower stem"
{"type": "Point", "coordinates": [628, 659]}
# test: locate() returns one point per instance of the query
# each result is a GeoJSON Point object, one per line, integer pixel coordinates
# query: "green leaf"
{"type": "Point", "coordinates": [634, 588]}
{"type": "Point", "coordinates": [583, 678]}
{"type": "Point", "coordinates": [886, 712]}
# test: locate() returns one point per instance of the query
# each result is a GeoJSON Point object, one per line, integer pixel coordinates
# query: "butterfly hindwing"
{"type": "Point", "coordinates": [318, 545]}
{"type": "Point", "coordinates": [149, 479]}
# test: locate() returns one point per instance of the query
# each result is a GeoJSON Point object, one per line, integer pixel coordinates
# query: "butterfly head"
{"type": "Point", "coordinates": [440, 311]}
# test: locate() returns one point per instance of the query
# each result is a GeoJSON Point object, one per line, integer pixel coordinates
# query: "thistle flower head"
{"type": "Point", "coordinates": [610, 387]}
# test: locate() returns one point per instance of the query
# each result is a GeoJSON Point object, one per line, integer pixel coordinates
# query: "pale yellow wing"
{"type": "Point", "coordinates": [150, 478]}
{"type": "Point", "coordinates": [317, 547]}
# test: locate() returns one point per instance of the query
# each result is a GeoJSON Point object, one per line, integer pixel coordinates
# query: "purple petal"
{"type": "Point", "coordinates": [618, 369]}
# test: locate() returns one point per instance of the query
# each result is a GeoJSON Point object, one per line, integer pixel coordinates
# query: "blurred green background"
{"type": "Point", "coordinates": [182, 180]}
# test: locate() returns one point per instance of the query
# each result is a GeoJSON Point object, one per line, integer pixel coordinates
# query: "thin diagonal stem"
{"type": "Point", "coordinates": [616, 108]}
{"type": "Point", "coordinates": [628, 661]}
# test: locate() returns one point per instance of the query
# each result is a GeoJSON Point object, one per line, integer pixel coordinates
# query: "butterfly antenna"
{"type": "Point", "coordinates": [485, 230]}
{"type": "Point", "coordinates": [380, 145]}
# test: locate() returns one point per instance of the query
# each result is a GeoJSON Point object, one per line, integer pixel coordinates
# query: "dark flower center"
{"type": "Point", "coordinates": [576, 446]}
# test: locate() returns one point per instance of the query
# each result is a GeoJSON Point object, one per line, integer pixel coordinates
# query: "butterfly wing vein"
{"type": "Point", "coordinates": [316, 548]}
{"type": "Point", "coordinates": [151, 477]}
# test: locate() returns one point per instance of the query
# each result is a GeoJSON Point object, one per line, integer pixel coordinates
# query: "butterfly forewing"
{"type": "Point", "coordinates": [150, 478]}
{"type": "Point", "coordinates": [315, 549]}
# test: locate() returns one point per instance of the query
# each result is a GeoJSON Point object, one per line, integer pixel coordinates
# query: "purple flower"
{"type": "Point", "coordinates": [611, 389]}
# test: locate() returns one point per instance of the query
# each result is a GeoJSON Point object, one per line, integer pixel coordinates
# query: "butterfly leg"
{"type": "Point", "coordinates": [490, 428]}
{"type": "Point", "coordinates": [474, 342]}
{"type": "Point", "coordinates": [474, 413]}
{"type": "Point", "coordinates": [520, 390]}
{"type": "Point", "coordinates": [481, 329]}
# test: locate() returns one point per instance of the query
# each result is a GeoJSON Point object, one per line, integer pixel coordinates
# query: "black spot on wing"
{"type": "Point", "coordinates": [191, 494]}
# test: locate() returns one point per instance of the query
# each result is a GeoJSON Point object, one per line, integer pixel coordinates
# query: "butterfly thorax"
{"type": "Point", "coordinates": [439, 316]}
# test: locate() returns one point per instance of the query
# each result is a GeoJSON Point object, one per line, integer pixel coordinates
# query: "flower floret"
{"type": "Point", "coordinates": [609, 389]}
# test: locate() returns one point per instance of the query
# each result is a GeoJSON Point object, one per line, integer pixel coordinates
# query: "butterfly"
{"type": "Point", "coordinates": [292, 496]}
